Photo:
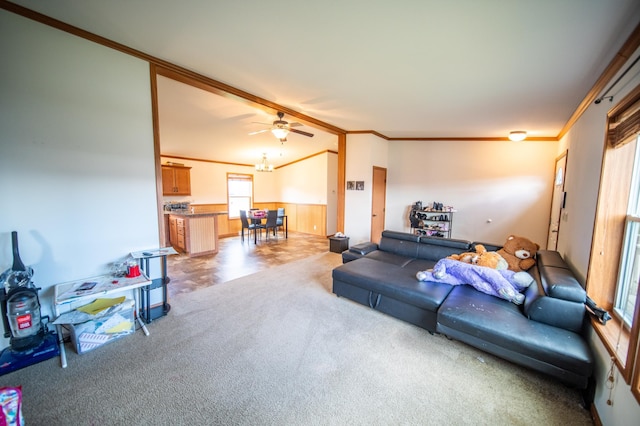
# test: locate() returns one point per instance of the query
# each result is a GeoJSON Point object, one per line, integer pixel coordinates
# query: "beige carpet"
{"type": "Point", "coordinates": [278, 348]}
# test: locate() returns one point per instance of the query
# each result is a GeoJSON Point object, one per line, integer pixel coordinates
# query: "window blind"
{"type": "Point", "coordinates": [624, 122]}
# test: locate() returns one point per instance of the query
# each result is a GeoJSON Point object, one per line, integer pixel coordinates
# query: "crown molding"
{"type": "Point", "coordinates": [450, 138]}
{"type": "Point", "coordinates": [169, 69]}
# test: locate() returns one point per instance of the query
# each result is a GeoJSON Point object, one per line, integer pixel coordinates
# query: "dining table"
{"type": "Point", "coordinates": [256, 216]}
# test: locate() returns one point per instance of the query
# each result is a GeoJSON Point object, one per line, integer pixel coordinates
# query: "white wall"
{"type": "Point", "coordinates": [304, 182]}
{"type": "Point", "coordinates": [363, 152]}
{"type": "Point", "coordinates": [508, 183]}
{"type": "Point", "coordinates": [76, 154]}
{"type": "Point", "coordinates": [585, 143]}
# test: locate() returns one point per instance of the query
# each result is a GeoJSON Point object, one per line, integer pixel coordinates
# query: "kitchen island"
{"type": "Point", "coordinates": [194, 233]}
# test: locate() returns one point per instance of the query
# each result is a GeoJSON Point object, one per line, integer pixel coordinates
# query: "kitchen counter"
{"type": "Point", "coordinates": [194, 233]}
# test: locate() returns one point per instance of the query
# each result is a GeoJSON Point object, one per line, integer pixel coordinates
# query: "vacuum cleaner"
{"type": "Point", "coordinates": [30, 341]}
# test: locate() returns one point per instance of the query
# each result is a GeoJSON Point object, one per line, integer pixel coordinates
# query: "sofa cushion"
{"type": "Point", "coordinates": [433, 248]}
{"type": "Point", "coordinates": [416, 265]}
{"type": "Point", "coordinates": [501, 323]}
{"type": "Point", "coordinates": [488, 246]}
{"type": "Point", "coordinates": [550, 258]}
{"type": "Point", "coordinates": [446, 242]}
{"type": "Point", "coordinates": [348, 256]}
{"type": "Point", "coordinates": [400, 247]}
{"type": "Point", "coordinates": [392, 281]}
{"type": "Point", "coordinates": [405, 236]}
{"type": "Point", "coordinates": [388, 257]}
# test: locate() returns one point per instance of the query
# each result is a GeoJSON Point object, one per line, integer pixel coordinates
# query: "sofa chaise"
{"type": "Point", "coordinates": [544, 333]}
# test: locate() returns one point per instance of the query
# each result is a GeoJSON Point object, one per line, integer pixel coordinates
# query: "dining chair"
{"type": "Point", "coordinates": [280, 221]}
{"type": "Point", "coordinates": [246, 225]}
{"type": "Point", "coordinates": [271, 223]}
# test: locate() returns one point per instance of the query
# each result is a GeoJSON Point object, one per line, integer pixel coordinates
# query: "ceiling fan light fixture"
{"type": "Point", "coordinates": [518, 135]}
{"type": "Point", "coordinates": [264, 166]}
{"type": "Point", "coordinates": [280, 132]}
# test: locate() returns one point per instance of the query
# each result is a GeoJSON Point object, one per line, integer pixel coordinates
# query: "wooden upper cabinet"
{"type": "Point", "coordinates": [176, 180]}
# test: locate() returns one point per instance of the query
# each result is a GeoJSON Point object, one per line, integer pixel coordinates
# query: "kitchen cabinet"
{"type": "Point", "coordinates": [176, 180]}
{"type": "Point", "coordinates": [194, 233]}
{"type": "Point", "coordinates": [180, 230]}
{"type": "Point", "coordinates": [173, 230]}
{"type": "Point", "coordinates": [177, 232]}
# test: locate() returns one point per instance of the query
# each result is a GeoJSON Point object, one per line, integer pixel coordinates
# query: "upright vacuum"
{"type": "Point", "coordinates": [30, 341]}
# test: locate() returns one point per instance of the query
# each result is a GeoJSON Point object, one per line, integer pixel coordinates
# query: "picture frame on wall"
{"type": "Point", "coordinates": [360, 185]}
{"type": "Point", "coordinates": [351, 185]}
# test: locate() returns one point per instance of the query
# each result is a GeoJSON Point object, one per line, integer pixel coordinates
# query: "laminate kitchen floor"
{"type": "Point", "coordinates": [236, 259]}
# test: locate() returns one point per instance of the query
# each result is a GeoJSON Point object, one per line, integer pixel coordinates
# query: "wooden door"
{"type": "Point", "coordinates": [378, 201]}
{"type": "Point", "coordinates": [557, 201]}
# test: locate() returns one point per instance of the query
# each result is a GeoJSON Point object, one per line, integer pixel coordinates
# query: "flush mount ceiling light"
{"type": "Point", "coordinates": [264, 166]}
{"type": "Point", "coordinates": [517, 135]}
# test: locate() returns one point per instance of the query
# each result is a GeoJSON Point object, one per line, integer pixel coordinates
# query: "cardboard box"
{"type": "Point", "coordinates": [93, 334]}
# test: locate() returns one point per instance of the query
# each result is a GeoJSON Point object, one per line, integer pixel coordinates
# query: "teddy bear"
{"type": "Point", "coordinates": [519, 253]}
{"type": "Point", "coordinates": [481, 257]}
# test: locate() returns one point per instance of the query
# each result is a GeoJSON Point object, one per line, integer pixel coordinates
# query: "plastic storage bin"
{"type": "Point", "coordinates": [95, 333]}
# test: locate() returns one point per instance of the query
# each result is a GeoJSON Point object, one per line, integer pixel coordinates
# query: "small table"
{"type": "Point", "coordinates": [286, 225]}
{"type": "Point", "coordinates": [67, 296]}
{"type": "Point", "coordinates": [146, 311]}
{"type": "Point", "coordinates": [256, 217]}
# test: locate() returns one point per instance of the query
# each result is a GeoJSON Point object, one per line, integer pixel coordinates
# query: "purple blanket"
{"type": "Point", "coordinates": [502, 283]}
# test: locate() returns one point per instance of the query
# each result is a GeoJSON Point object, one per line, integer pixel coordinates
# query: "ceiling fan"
{"type": "Point", "coordinates": [281, 128]}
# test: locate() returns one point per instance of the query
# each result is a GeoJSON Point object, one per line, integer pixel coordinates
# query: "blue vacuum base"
{"type": "Point", "coordinates": [11, 360]}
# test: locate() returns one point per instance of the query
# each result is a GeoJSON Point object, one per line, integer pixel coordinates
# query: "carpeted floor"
{"type": "Point", "coordinates": [278, 348]}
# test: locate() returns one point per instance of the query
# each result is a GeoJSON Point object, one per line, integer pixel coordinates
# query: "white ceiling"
{"type": "Point", "coordinates": [198, 124]}
{"type": "Point", "coordinates": [403, 68]}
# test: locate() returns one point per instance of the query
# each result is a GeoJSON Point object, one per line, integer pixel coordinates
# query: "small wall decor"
{"type": "Point", "coordinates": [360, 185]}
{"type": "Point", "coordinates": [351, 185]}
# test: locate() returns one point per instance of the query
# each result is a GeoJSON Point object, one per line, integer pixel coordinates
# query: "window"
{"type": "Point", "coordinates": [614, 266]}
{"type": "Point", "coordinates": [629, 274]}
{"type": "Point", "coordinates": [240, 193]}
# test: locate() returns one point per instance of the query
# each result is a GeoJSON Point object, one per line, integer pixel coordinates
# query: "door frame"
{"type": "Point", "coordinates": [558, 199]}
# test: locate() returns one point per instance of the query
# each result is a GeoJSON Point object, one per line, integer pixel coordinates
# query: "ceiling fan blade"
{"type": "Point", "coordinates": [295, 124]}
{"type": "Point", "coordinates": [259, 131]}
{"type": "Point", "coordinates": [300, 132]}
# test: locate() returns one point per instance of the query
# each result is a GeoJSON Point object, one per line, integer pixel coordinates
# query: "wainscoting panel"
{"type": "Point", "coordinates": [306, 218]}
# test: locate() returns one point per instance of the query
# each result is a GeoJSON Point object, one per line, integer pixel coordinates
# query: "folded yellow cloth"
{"type": "Point", "coordinates": [100, 305]}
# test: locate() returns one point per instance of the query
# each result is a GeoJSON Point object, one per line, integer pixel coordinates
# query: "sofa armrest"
{"type": "Point", "coordinates": [363, 248]}
{"type": "Point", "coordinates": [556, 277]}
{"type": "Point", "coordinates": [560, 283]}
{"type": "Point", "coordinates": [566, 314]}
